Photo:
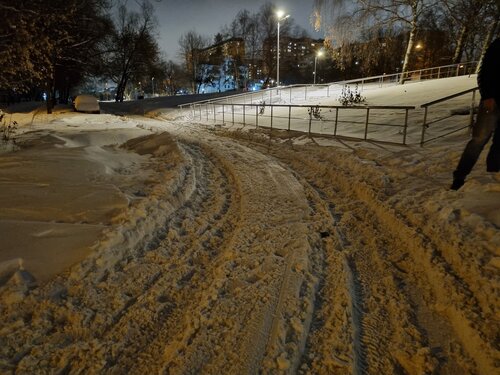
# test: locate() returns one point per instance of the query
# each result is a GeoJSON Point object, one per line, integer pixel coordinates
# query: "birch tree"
{"type": "Point", "coordinates": [493, 30]}
{"type": "Point", "coordinates": [466, 15]}
{"type": "Point", "coordinates": [344, 20]}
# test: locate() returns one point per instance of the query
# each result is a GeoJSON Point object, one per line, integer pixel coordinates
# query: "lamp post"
{"type": "Point", "coordinates": [318, 54]}
{"type": "Point", "coordinates": [281, 16]}
{"type": "Point", "coordinates": [153, 85]}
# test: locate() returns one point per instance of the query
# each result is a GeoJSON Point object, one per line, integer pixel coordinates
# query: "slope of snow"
{"type": "Point", "coordinates": [383, 125]}
{"type": "Point", "coordinates": [145, 245]}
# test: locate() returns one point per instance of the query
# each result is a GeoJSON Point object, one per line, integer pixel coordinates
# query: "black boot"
{"type": "Point", "coordinates": [457, 184]}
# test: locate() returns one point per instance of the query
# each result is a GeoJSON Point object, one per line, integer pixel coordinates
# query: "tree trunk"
{"type": "Point", "coordinates": [409, 48]}
{"type": "Point", "coordinates": [49, 102]}
{"type": "Point", "coordinates": [459, 49]}
{"type": "Point", "coordinates": [487, 41]}
{"type": "Point", "coordinates": [51, 85]}
{"type": "Point", "coordinates": [50, 95]}
{"type": "Point", "coordinates": [120, 90]}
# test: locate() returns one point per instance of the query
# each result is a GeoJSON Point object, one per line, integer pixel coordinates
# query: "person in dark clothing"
{"type": "Point", "coordinates": [488, 119]}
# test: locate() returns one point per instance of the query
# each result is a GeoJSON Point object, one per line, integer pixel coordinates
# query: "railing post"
{"type": "Point", "coordinates": [439, 72]}
{"type": "Point", "coordinates": [424, 125]}
{"type": "Point", "coordinates": [310, 119]}
{"type": "Point", "coordinates": [232, 110]}
{"type": "Point", "coordinates": [336, 120]}
{"type": "Point", "coordinates": [405, 127]}
{"type": "Point", "coordinates": [289, 116]}
{"type": "Point", "coordinates": [215, 113]}
{"type": "Point", "coordinates": [471, 114]}
{"type": "Point", "coordinates": [206, 110]}
{"type": "Point", "coordinates": [244, 123]}
{"type": "Point", "coordinates": [199, 106]}
{"type": "Point", "coordinates": [223, 115]}
{"type": "Point", "coordinates": [305, 97]}
{"type": "Point", "coordinates": [328, 91]}
{"type": "Point", "coordinates": [256, 116]}
{"type": "Point", "coordinates": [366, 123]}
{"type": "Point", "coordinates": [290, 94]}
{"type": "Point", "coordinates": [272, 107]}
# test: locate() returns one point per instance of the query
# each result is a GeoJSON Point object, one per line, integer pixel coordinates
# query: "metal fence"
{"type": "Point", "coordinates": [356, 122]}
{"type": "Point", "coordinates": [302, 93]}
{"type": "Point", "coordinates": [443, 114]}
{"type": "Point", "coordinates": [272, 108]}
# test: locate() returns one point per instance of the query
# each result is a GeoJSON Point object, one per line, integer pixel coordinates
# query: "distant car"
{"type": "Point", "coordinates": [86, 103]}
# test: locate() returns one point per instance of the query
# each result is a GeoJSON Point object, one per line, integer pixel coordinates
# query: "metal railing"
{"type": "Point", "coordinates": [269, 109]}
{"type": "Point", "coordinates": [317, 119]}
{"type": "Point", "coordinates": [285, 93]}
{"type": "Point", "coordinates": [426, 124]}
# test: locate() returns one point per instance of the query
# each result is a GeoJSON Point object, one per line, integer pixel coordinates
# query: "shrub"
{"type": "Point", "coordinates": [351, 97]}
{"type": "Point", "coordinates": [7, 131]}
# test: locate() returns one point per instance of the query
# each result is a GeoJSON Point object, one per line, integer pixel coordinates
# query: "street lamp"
{"type": "Point", "coordinates": [318, 54]}
{"type": "Point", "coordinates": [281, 16]}
{"type": "Point", "coordinates": [153, 85]}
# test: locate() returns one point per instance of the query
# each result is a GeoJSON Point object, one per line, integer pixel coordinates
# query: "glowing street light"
{"type": "Point", "coordinates": [318, 54]}
{"type": "Point", "coordinates": [281, 17]}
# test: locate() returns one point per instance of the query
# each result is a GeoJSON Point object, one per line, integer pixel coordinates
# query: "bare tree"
{"type": "Point", "coordinates": [494, 12]}
{"type": "Point", "coordinates": [50, 44]}
{"type": "Point", "coordinates": [133, 50]}
{"type": "Point", "coordinates": [465, 14]}
{"type": "Point", "coordinates": [190, 45]}
{"type": "Point", "coordinates": [267, 27]}
{"type": "Point", "coordinates": [345, 20]}
{"type": "Point", "coordinates": [246, 25]}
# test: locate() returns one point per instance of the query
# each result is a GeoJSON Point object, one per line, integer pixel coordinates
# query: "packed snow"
{"type": "Point", "coordinates": [168, 244]}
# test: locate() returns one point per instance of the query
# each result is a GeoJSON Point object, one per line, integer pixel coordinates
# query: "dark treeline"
{"type": "Point", "coordinates": [371, 37]}
{"type": "Point", "coordinates": [52, 47]}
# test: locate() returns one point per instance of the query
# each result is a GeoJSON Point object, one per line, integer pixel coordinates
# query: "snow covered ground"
{"type": "Point", "coordinates": [170, 245]}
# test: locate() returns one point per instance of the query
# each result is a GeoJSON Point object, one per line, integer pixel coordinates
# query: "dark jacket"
{"type": "Point", "coordinates": [488, 78]}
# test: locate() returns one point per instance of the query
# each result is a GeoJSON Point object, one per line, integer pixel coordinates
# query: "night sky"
{"type": "Point", "coordinates": [206, 17]}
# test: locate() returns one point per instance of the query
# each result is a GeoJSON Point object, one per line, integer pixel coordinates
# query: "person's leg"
{"type": "Point", "coordinates": [481, 133]}
{"type": "Point", "coordinates": [493, 159]}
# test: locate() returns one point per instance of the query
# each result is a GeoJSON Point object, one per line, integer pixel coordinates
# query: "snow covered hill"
{"type": "Point", "coordinates": [166, 244]}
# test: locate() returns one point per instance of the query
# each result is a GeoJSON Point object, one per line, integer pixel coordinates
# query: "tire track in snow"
{"type": "Point", "coordinates": [372, 275]}
{"type": "Point", "coordinates": [414, 270]}
{"type": "Point", "coordinates": [325, 224]}
{"type": "Point", "coordinates": [202, 212]}
{"type": "Point", "coordinates": [144, 292]}
{"type": "Point", "coordinates": [258, 249]}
